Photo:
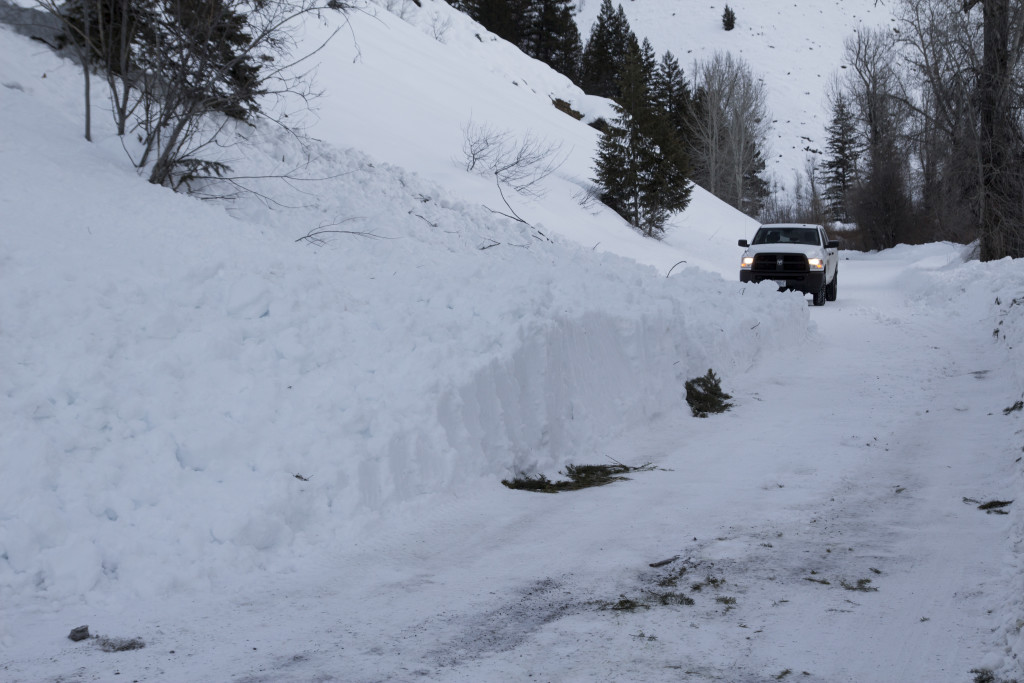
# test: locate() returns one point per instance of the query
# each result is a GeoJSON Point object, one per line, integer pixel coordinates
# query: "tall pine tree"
{"type": "Point", "coordinates": [648, 62]}
{"type": "Point", "coordinates": [553, 38]}
{"type": "Point", "coordinates": [640, 177]}
{"type": "Point", "coordinates": [543, 29]}
{"type": "Point", "coordinates": [671, 93]}
{"type": "Point", "coordinates": [610, 41]}
{"type": "Point", "coordinates": [839, 170]}
{"type": "Point", "coordinates": [670, 96]}
{"type": "Point", "coordinates": [506, 19]}
{"type": "Point", "coordinates": [755, 188]}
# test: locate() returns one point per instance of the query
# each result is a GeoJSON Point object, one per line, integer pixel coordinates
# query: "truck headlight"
{"type": "Point", "coordinates": [816, 264]}
{"type": "Point", "coordinates": [746, 262]}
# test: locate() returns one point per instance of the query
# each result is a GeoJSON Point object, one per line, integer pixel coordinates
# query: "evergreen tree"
{"type": "Point", "coordinates": [610, 41]}
{"type": "Point", "coordinates": [634, 81]}
{"type": "Point", "coordinates": [670, 97]}
{"type": "Point", "coordinates": [839, 169]}
{"type": "Point", "coordinates": [648, 62]}
{"type": "Point", "coordinates": [553, 38]}
{"type": "Point", "coordinates": [639, 176]}
{"type": "Point", "coordinates": [671, 94]}
{"type": "Point", "coordinates": [728, 19]}
{"type": "Point", "coordinates": [627, 43]}
{"type": "Point", "coordinates": [218, 34]}
{"type": "Point", "coordinates": [755, 188]}
{"type": "Point", "coordinates": [508, 19]}
{"type": "Point", "coordinates": [542, 29]}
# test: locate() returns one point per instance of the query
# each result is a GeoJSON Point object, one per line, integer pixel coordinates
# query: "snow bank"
{"type": "Point", "coordinates": [188, 393]}
{"type": "Point", "coordinates": [988, 298]}
{"type": "Point", "coordinates": [1002, 283]}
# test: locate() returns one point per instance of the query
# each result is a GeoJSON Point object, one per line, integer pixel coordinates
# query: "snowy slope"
{"type": "Point", "coordinates": [424, 85]}
{"type": "Point", "coordinates": [164, 364]}
{"type": "Point", "coordinates": [795, 46]}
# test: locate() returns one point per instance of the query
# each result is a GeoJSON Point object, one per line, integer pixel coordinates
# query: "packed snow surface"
{"type": "Point", "coordinates": [267, 438]}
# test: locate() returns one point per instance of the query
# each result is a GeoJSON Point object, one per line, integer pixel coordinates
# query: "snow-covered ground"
{"type": "Point", "coordinates": [271, 459]}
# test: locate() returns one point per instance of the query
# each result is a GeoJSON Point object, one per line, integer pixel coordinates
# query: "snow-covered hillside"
{"type": "Point", "coordinates": [795, 46]}
{"type": "Point", "coordinates": [167, 362]}
{"type": "Point", "coordinates": [277, 458]}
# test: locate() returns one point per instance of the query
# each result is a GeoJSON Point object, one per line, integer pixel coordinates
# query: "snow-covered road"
{"type": "Point", "coordinates": [825, 527]}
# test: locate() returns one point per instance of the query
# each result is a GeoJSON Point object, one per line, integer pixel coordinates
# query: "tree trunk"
{"type": "Point", "coordinates": [85, 54]}
{"type": "Point", "coordinates": [996, 133]}
{"type": "Point", "coordinates": [88, 106]}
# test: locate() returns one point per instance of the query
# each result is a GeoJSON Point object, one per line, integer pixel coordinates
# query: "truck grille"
{"type": "Point", "coordinates": [781, 263]}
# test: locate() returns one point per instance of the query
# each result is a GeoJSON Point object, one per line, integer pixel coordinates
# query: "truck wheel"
{"type": "Point", "coordinates": [819, 296]}
{"type": "Point", "coordinates": [833, 287]}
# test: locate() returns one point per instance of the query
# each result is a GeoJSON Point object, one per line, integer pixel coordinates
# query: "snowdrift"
{"type": "Point", "coordinates": [191, 391]}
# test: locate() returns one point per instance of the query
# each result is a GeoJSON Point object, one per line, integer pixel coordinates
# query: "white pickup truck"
{"type": "Point", "coordinates": [796, 256]}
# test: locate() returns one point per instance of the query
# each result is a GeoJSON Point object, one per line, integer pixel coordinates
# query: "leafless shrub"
{"type": "Point", "coordinates": [479, 142]}
{"type": "Point", "coordinates": [180, 72]}
{"type": "Point", "coordinates": [439, 26]}
{"type": "Point", "coordinates": [400, 8]}
{"type": "Point", "coordinates": [519, 163]}
{"type": "Point", "coordinates": [587, 196]}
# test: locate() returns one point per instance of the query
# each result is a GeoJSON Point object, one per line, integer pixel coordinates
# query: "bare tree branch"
{"type": "Point", "coordinates": [316, 235]}
{"type": "Point", "coordinates": [520, 163]}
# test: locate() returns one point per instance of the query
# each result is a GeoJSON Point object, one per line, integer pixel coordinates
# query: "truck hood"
{"type": "Point", "coordinates": [783, 248]}
{"type": "Point", "coordinates": [779, 248]}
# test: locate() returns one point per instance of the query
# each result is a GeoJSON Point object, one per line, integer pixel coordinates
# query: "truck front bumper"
{"type": "Point", "coordinates": [808, 283]}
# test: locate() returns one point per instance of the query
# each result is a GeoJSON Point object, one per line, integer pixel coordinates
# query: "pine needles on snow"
{"type": "Point", "coordinates": [579, 477]}
{"type": "Point", "coordinates": [705, 395]}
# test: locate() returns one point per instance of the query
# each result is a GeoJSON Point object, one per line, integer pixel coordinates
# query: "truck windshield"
{"type": "Point", "coordinates": [787, 236]}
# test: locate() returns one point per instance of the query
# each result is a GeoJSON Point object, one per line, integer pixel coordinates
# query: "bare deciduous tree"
{"type": "Point", "coordinates": [804, 204]}
{"type": "Point", "coordinates": [969, 136]}
{"type": "Point", "coordinates": [938, 42]}
{"type": "Point", "coordinates": [729, 129]}
{"type": "Point", "coordinates": [106, 35]}
{"type": "Point", "coordinates": [1000, 213]}
{"type": "Point", "coordinates": [879, 200]}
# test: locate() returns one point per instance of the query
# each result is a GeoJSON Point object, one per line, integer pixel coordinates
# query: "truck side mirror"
{"type": "Point", "coordinates": [743, 243]}
{"type": "Point", "coordinates": [833, 244]}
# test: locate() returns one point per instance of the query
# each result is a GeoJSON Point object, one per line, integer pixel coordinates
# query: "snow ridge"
{"type": "Point", "coordinates": [189, 391]}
